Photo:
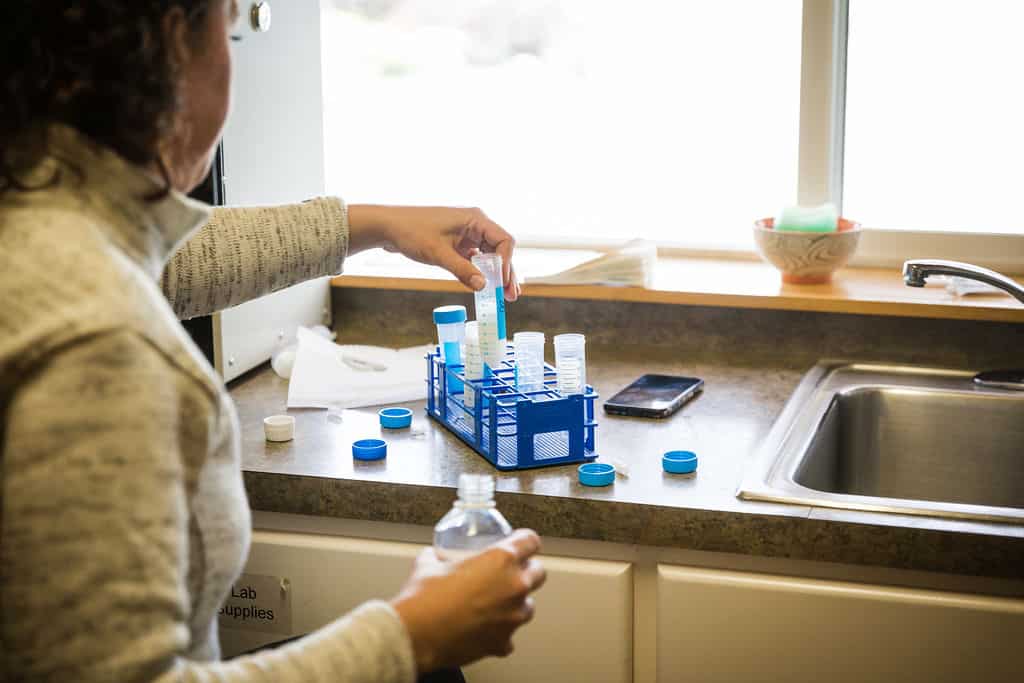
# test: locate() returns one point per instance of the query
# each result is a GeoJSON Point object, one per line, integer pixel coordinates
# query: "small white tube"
{"type": "Point", "coordinates": [529, 355]}
{"type": "Point", "coordinates": [474, 368]}
{"type": "Point", "coordinates": [571, 361]}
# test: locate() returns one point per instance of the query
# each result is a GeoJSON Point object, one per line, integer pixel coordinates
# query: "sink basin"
{"type": "Point", "coordinates": [896, 439]}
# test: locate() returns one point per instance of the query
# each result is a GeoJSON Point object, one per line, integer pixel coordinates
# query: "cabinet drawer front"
{"type": "Point", "coordinates": [726, 626]}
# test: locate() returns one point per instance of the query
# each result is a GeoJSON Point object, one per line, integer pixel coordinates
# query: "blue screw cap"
{"type": "Point", "coordinates": [449, 314]}
{"type": "Point", "coordinates": [369, 449]}
{"type": "Point", "coordinates": [679, 462]}
{"type": "Point", "coordinates": [395, 418]}
{"type": "Point", "coordinates": [596, 474]}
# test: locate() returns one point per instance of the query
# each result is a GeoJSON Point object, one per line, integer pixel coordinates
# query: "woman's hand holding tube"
{"type": "Point", "coordinates": [439, 236]}
{"type": "Point", "coordinates": [458, 612]}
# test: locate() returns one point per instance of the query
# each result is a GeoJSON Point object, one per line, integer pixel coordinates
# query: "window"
{"type": "Point", "coordinates": [935, 115]}
{"type": "Point", "coordinates": [577, 120]}
{"type": "Point", "coordinates": [585, 122]}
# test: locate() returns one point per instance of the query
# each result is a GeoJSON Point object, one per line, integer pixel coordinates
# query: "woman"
{"type": "Point", "coordinates": [124, 519]}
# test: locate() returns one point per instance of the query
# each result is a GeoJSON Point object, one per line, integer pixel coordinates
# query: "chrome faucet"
{"type": "Point", "coordinates": [915, 272]}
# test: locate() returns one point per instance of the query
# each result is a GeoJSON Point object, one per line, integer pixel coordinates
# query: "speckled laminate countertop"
{"type": "Point", "coordinates": [315, 474]}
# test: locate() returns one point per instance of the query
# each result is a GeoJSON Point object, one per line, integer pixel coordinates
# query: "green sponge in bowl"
{"type": "Point", "coordinates": [822, 218]}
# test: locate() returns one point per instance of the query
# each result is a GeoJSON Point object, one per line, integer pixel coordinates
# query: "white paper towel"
{"type": "Point", "coordinates": [631, 265]}
{"type": "Point", "coordinates": [322, 379]}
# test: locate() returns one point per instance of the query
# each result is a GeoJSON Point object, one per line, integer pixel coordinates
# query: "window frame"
{"type": "Point", "coordinates": [822, 140]}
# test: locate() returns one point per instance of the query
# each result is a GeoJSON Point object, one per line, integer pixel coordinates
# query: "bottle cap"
{"type": "Point", "coordinates": [279, 427]}
{"type": "Point", "coordinates": [369, 449]}
{"type": "Point", "coordinates": [596, 474]}
{"type": "Point", "coordinates": [476, 488]}
{"type": "Point", "coordinates": [449, 314]}
{"type": "Point", "coordinates": [679, 462]}
{"type": "Point", "coordinates": [395, 418]}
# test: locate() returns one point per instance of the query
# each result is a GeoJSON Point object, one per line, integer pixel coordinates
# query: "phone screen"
{"type": "Point", "coordinates": [654, 393]}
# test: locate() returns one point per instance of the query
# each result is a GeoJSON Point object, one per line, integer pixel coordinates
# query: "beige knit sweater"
{"type": "Point", "coordinates": [124, 520]}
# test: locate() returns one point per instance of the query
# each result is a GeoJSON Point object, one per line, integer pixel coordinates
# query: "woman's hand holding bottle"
{"type": "Point", "coordinates": [458, 612]}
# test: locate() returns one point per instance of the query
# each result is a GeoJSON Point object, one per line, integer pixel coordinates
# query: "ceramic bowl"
{"type": "Point", "coordinates": [806, 258]}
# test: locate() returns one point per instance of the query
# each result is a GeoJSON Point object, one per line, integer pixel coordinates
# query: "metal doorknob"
{"type": "Point", "coordinates": [259, 16]}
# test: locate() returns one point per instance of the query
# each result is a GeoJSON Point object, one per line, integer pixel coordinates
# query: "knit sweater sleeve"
{"type": "Point", "coordinates": [94, 536]}
{"type": "Point", "coordinates": [245, 253]}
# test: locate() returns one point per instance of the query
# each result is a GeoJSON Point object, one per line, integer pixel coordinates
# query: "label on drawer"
{"type": "Point", "coordinates": [259, 603]}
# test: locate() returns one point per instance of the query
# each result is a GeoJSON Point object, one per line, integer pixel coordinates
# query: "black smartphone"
{"type": "Point", "coordinates": [654, 396]}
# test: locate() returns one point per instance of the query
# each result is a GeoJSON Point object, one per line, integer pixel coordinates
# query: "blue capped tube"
{"type": "Point", "coordinates": [451, 331]}
{"type": "Point", "coordinates": [490, 310]}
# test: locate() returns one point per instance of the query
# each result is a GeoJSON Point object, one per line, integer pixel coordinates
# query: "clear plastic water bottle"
{"type": "Point", "coordinates": [473, 523]}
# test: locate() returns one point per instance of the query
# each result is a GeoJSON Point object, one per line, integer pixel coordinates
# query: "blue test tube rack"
{"type": "Point", "coordinates": [512, 429]}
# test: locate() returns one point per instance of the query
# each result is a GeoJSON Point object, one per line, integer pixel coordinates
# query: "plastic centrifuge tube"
{"type": "Point", "coordinates": [529, 355]}
{"type": "Point", "coordinates": [570, 357]}
{"type": "Point", "coordinates": [451, 327]}
{"type": "Point", "coordinates": [474, 369]}
{"type": "Point", "coordinates": [490, 310]}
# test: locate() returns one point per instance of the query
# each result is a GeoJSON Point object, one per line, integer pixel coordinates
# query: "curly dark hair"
{"type": "Point", "coordinates": [102, 67]}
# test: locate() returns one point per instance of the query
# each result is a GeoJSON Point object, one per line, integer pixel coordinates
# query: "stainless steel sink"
{"type": "Point", "coordinates": [896, 439]}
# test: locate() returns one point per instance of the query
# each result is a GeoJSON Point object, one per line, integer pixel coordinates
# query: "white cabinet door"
{"type": "Point", "coordinates": [582, 630]}
{"type": "Point", "coordinates": [274, 154]}
{"type": "Point", "coordinates": [718, 625]}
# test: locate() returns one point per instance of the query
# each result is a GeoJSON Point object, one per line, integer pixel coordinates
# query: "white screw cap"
{"type": "Point", "coordinates": [279, 427]}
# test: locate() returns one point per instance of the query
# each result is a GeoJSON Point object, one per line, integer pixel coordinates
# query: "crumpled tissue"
{"type": "Point", "coordinates": [329, 375]}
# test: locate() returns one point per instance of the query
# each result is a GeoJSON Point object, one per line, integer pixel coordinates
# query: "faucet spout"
{"type": "Point", "coordinates": [916, 271]}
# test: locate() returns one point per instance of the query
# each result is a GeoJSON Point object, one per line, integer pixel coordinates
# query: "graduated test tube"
{"type": "Point", "coordinates": [490, 310]}
{"type": "Point", "coordinates": [529, 355]}
{"type": "Point", "coordinates": [571, 360]}
{"type": "Point", "coordinates": [474, 362]}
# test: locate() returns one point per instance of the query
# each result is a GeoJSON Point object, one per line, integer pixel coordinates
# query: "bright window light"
{"type": "Point", "coordinates": [574, 120]}
{"type": "Point", "coordinates": [935, 115]}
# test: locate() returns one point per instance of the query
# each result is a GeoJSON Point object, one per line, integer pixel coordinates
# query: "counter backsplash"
{"type": "Point", "coordinates": [738, 336]}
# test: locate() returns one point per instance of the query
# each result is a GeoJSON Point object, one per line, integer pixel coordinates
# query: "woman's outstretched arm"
{"type": "Point", "coordinates": [245, 253]}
